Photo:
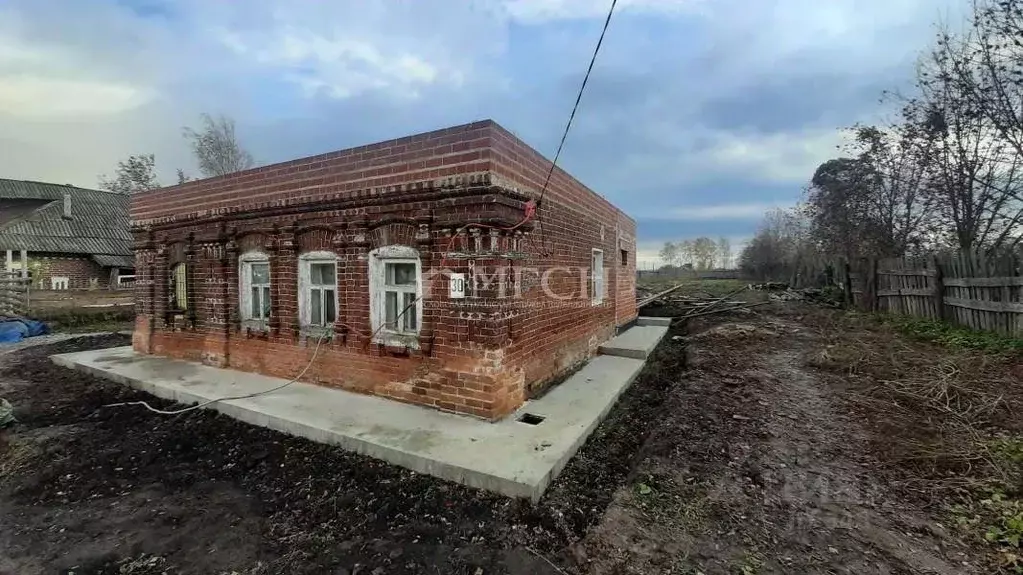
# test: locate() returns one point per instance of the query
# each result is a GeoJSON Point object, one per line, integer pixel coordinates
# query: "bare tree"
{"type": "Point", "coordinates": [976, 176]}
{"type": "Point", "coordinates": [687, 253]}
{"type": "Point", "coordinates": [136, 174]}
{"type": "Point", "coordinates": [779, 247]}
{"type": "Point", "coordinates": [216, 147]}
{"type": "Point", "coordinates": [875, 202]}
{"type": "Point", "coordinates": [724, 253]}
{"type": "Point", "coordinates": [669, 254]}
{"type": "Point", "coordinates": [704, 253]}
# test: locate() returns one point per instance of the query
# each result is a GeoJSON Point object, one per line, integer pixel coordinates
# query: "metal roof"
{"type": "Point", "coordinates": [98, 224]}
{"type": "Point", "coordinates": [114, 261]}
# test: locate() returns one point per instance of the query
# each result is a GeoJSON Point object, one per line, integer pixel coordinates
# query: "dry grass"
{"type": "Point", "coordinates": [15, 454]}
{"type": "Point", "coordinates": [946, 421]}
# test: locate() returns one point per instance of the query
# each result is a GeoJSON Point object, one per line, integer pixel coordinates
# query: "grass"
{"type": "Point", "coordinates": [91, 320]}
{"type": "Point", "coordinates": [712, 287]}
{"type": "Point", "coordinates": [930, 330]}
{"type": "Point", "coordinates": [943, 403]}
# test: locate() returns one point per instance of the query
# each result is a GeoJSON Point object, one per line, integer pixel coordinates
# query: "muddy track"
{"type": "Point", "coordinates": [758, 470]}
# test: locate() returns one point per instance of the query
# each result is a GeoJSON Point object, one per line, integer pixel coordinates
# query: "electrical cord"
{"type": "Point", "coordinates": [568, 126]}
{"type": "Point", "coordinates": [529, 213]}
{"type": "Point", "coordinates": [316, 350]}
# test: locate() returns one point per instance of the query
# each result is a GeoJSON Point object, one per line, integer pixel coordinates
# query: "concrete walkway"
{"type": "Point", "coordinates": [511, 457]}
{"type": "Point", "coordinates": [636, 342]}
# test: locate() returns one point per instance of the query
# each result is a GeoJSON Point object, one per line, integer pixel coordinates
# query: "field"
{"type": "Point", "coordinates": [783, 439]}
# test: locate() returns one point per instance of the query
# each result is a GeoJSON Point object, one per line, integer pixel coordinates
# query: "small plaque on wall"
{"type": "Point", "coordinates": [457, 286]}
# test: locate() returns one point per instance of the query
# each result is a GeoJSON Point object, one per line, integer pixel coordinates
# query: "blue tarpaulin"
{"type": "Point", "coordinates": [15, 330]}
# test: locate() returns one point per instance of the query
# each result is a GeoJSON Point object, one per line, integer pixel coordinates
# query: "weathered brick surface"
{"type": "Point", "coordinates": [458, 197]}
{"type": "Point", "coordinates": [82, 272]}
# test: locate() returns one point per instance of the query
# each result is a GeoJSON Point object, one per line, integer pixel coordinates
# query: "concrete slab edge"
{"type": "Point", "coordinates": [560, 465]}
{"type": "Point", "coordinates": [657, 321]}
{"type": "Point", "coordinates": [631, 353]}
{"type": "Point", "coordinates": [419, 464]}
{"type": "Point", "coordinates": [531, 489]}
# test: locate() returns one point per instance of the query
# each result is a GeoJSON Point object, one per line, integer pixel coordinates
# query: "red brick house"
{"type": "Point", "coordinates": [65, 237]}
{"type": "Point", "coordinates": [348, 256]}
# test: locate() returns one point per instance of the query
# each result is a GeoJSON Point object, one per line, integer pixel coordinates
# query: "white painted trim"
{"type": "Point", "coordinates": [597, 287]}
{"type": "Point", "coordinates": [304, 261]}
{"type": "Point", "coordinates": [378, 259]}
{"type": "Point", "coordinates": [245, 262]}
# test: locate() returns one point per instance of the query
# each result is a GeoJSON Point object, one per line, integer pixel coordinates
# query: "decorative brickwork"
{"type": "Point", "coordinates": [452, 196]}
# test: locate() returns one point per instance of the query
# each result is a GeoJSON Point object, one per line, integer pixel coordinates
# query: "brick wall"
{"type": "Point", "coordinates": [577, 220]}
{"type": "Point", "coordinates": [479, 355]}
{"type": "Point", "coordinates": [82, 272]}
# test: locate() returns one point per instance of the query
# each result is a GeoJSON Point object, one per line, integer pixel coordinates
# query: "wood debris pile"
{"type": "Point", "coordinates": [686, 306]}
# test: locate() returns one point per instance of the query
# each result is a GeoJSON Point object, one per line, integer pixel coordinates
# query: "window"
{"type": "Point", "coordinates": [395, 293]}
{"type": "Point", "coordinates": [254, 286]}
{"type": "Point", "coordinates": [318, 289]}
{"type": "Point", "coordinates": [179, 287]}
{"type": "Point", "coordinates": [625, 257]}
{"type": "Point", "coordinates": [597, 277]}
{"type": "Point", "coordinates": [400, 297]}
{"type": "Point", "coordinates": [60, 283]}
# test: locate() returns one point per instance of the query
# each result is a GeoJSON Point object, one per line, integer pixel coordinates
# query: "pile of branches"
{"type": "Point", "coordinates": [695, 305]}
{"type": "Point", "coordinates": [939, 413]}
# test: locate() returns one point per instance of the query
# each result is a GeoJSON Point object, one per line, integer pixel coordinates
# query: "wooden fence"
{"type": "Point", "coordinates": [971, 290]}
{"type": "Point", "coordinates": [14, 293]}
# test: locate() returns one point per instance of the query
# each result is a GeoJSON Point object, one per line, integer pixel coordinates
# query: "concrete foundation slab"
{"type": "Point", "coordinates": [661, 321]}
{"type": "Point", "coordinates": [511, 457]}
{"type": "Point", "coordinates": [636, 342]}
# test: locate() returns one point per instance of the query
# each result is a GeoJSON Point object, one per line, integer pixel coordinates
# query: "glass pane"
{"type": "Point", "coordinates": [266, 302]}
{"type": "Point", "coordinates": [410, 312]}
{"type": "Point", "coordinates": [329, 311]}
{"type": "Point", "coordinates": [180, 287]}
{"type": "Point", "coordinates": [391, 308]}
{"type": "Point", "coordinates": [315, 315]}
{"type": "Point", "coordinates": [401, 274]}
{"type": "Point", "coordinates": [255, 303]}
{"type": "Point", "coordinates": [260, 273]}
{"type": "Point", "coordinates": [322, 274]}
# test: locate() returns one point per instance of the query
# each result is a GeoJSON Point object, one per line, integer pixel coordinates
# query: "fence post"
{"type": "Point", "coordinates": [939, 288]}
{"type": "Point", "coordinates": [870, 298]}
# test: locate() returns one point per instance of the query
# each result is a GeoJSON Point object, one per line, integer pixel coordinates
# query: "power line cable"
{"type": "Point", "coordinates": [568, 126]}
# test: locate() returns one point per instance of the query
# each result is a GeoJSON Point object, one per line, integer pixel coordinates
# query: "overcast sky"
{"type": "Point", "coordinates": [700, 114]}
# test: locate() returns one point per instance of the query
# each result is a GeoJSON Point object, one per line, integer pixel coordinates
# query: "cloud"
{"type": "Point", "coordinates": [542, 11]}
{"type": "Point", "coordinates": [782, 157]}
{"type": "Point", "coordinates": [744, 211]}
{"type": "Point", "coordinates": [697, 113]}
{"type": "Point", "coordinates": [39, 80]}
{"type": "Point", "coordinates": [337, 67]}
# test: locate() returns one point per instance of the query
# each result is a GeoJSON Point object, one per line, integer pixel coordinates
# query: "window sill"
{"type": "Point", "coordinates": [256, 325]}
{"type": "Point", "coordinates": [392, 339]}
{"type": "Point", "coordinates": [311, 333]}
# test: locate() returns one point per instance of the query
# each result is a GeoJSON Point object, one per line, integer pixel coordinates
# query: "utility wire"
{"type": "Point", "coordinates": [316, 350]}
{"type": "Point", "coordinates": [568, 126]}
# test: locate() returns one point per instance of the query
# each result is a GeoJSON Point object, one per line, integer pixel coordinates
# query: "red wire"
{"type": "Point", "coordinates": [529, 213]}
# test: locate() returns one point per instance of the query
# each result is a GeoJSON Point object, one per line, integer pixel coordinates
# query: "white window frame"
{"type": "Point", "coordinates": [60, 283]}
{"type": "Point", "coordinates": [378, 260]}
{"type": "Point", "coordinates": [179, 286]}
{"type": "Point", "coordinates": [597, 276]}
{"type": "Point", "coordinates": [245, 285]}
{"type": "Point", "coordinates": [305, 262]}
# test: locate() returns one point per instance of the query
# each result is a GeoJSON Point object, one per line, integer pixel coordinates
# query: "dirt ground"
{"type": "Point", "coordinates": [746, 446]}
